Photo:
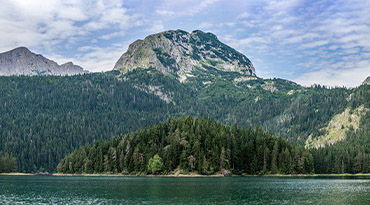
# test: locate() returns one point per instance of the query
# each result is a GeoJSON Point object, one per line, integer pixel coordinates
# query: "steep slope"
{"type": "Point", "coordinates": [45, 117]}
{"type": "Point", "coordinates": [352, 154]}
{"type": "Point", "coordinates": [337, 128]}
{"type": "Point", "coordinates": [366, 81]}
{"type": "Point", "coordinates": [21, 61]}
{"type": "Point", "coordinates": [180, 53]}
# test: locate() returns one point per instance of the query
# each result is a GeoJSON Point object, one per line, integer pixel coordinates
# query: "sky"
{"type": "Point", "coordinates": [310, 42]}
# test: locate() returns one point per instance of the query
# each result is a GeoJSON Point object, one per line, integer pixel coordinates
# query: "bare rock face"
{"type": "Point", "coordinates": [226, 173]}
{"type": "Point", "coordinates": [367, 81]}
{"type": "Point", "coordinates": [21, 61]}
{"type": "Point", "coordinates": [182, 52]}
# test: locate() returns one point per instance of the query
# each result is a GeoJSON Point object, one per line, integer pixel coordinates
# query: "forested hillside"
{"type": "Point", "coordinates": [351, 155]}
{"type": "Point", "coordinates": [174, 74]}
{"type": "Point", "coordinates": [45, 117]}
{"type": "Point", "coordinates": [286, 108]}
{"type": "Point", "coordinates": [190, 145]}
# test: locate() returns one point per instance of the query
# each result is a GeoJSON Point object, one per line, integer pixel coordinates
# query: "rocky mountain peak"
{"type": "Point", "coordinates": [21, 61]}
{"type": "Point", "coordinates": [20, 50]}
{"type": "Point", "coordinates": [177, 51]}
{"type": "Point", "coordinates": [366, 81]}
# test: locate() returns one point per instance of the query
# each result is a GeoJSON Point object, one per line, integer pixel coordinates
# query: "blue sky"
{"type": "Point", "coordinates": [324, 41]}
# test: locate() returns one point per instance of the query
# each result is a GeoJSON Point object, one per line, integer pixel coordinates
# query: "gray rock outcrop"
{"type": "Point", "coordinates": [182, 52]}
{"type": "Point", "coordinates": [226, 173]}
{"type": "Point", "coordinates": [366, 81]}
{"type": "Point", "coordinates": [21, 61]}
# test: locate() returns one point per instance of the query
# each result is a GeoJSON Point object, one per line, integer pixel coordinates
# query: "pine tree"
{"type": "Point", "coordinates": [274, 157]}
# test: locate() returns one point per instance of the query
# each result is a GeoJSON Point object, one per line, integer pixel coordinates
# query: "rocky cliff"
{"type": "Point", "coordinates": [366, 81]}
{"type": "Point", "coordinates": [181, 52]}
{"type": "Point", "coordinates": [21, 61]}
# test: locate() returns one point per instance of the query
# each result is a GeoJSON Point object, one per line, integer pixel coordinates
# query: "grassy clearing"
{"type": "Point", "coordinates": [337, 128]}
{"type": "Point", "coordinates": [16, 174]}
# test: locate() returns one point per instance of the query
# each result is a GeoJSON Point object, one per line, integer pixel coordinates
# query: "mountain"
{"type": "Point", "coordinates": [21, 61]}
{"type": "Point", "coordinates": [180, 53]}
{"type": "Point", "coordinates": [39, 112]}
{"type": "Point", "coordinates": [366, 81]}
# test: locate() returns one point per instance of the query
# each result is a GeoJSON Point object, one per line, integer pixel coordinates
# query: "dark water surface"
{"type": "Point", "coordinates": [166, 190]}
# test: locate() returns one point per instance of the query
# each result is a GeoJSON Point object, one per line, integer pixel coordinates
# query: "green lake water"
{"type": "Point", "coordinates": [167, 190]}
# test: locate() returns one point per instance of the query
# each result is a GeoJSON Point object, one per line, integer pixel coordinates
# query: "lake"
{"type": "Point", "coordinates": [167, 190]}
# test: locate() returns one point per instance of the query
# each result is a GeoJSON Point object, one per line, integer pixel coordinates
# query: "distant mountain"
{"type": "Point", "coordinates": [181, 53]}
{"type": "Point", "coordinates": [21, 61]}
{"type": "Point", "coordinates": [366, 81]}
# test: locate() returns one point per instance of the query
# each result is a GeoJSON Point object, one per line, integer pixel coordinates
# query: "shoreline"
{"type": "Point", "coordinates": [214, 175]}
{"type": "Point", "coordinates": [131, 175]}
{"type": "Point", "coordinates": [187, 175]}
{"type": "Point", "coordinates": [16, 174]}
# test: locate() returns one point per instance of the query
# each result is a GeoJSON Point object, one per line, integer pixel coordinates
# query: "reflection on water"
{"type": "Point", "coordinates": [166, 190]}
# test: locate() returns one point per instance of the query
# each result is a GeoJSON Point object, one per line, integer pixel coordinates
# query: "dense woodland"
{"type": "Point", "coordinates": [190, 145]}
{"type": "Point", "coordinates": [43, 118]}
{"type": "Point", "coordinates": [7, 163]}
{"type": "Point", "coordinates": [351, 155]}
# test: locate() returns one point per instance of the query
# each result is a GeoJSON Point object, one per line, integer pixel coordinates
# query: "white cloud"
{"type": "Point", "coordinates": [112, 35]}
{"type": "Point", "coordinates": [243, 15]}
{"type": "Point", "coordinates": [156, 27]}
{"type": "Point", "coordinates": [95, 59]}
{"type": "Point", "coordinates": [183, 8]}
{"type": "Point", "coordinates": [281, 7]}
{"type": "Point", "coordinates": [252, 40]}
{"type": "Point", "coordinates": [325, 40]}
{"type": "Point", "coordinates": [287, 37]}
{"type": "Point", "coordinates": [349, 75]}
{"type": "Point", "coordinates": [301, 38]}
{"type": "Point", "coordinates": [205, 25]}
{"type": "Point", "coordinates": [200, 7]}
{"type": "Point", "coordinates": [164, 12]}
{"type": "Point", "coordinates": [314, 44]}
{"type": "Point", "coordinates": [57, 24]}
{"type": "Point", "coordinates": [73, 14]}
{"type": "Point", "coordinates": [47, 23]}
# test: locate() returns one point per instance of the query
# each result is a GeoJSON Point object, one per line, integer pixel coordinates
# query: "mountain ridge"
{"type": "Point", "coordinates": [41, 111]}
{"type": "Point", "coordinates": [180, 53]}
{"type": "Point", "coordinates": [21, 61]}
{"type": "Point", "coordinates": [366, 81]}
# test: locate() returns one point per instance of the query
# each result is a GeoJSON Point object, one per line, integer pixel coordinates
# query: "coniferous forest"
{"type": "Point", "coordinates": [44, 118]}
{"type": "Point", "coordinates": [7, 163]}
{"type": "Point", "coordinates": [190, 145]}
{"type": "Point", "coordinates": [351, 155]}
